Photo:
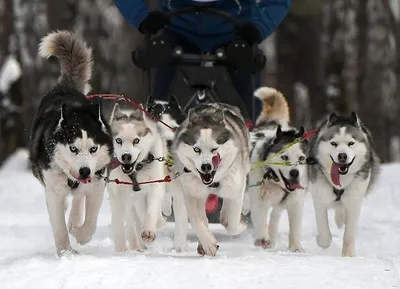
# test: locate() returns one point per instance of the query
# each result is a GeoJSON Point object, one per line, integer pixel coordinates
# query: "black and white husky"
{"type": "Point", "coordinates": [283, 187]}
{"type": "Point", "coordinates": [140, 152]}
{"type": "Point", "coordinates": [71, 144]}
{"type": "Point", "coordinates": [211, 149]}
{"type": "Point", "coordinates": [346, 170]}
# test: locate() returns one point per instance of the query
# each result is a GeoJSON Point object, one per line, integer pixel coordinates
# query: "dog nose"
{"type": "Point", "coordinates": [84, 172]}
{"type": "Point", "coordinates": [206, 168]}
{"type": "Point", "coordinates": [126, 158]}
{"type": "Point", "coordinates": [294, 173]}
{"type": "Point", "coordinates": [342, 157]}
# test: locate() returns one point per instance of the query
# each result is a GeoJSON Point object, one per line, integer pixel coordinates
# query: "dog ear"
{"type": "Point", "coordinates": [63, 116]}
{"type": "Point", "coordinates": [332, 117]}
{"type": "Point", "coordinates": [192, 115]}
{"type": "Point", "coordinates": [278, 134]}
{"type": "Point", "coordinates": [219, 116]}
{"type": "Point", "coordinates": [173, 102]}
{"type": "Point", "coordinates": [354, 118]}
{"type": "Point", "coordinates": [99, 117]}
{"type": "Point", "coordinates": [116, 113]}
{"type": "Point", "coordinates": [138, 114]}
{"type": "Point", "coordinates": [150, 104]}
{"type": "Point", "coordinates": [301, 131]}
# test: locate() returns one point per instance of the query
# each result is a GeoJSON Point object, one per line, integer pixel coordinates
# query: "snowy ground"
{"type": "Point", "coordinates": [27, 253]}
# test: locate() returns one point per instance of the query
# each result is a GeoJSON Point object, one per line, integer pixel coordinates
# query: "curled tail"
{"type": "Point", "coordinates": [275, 107]}
{"type": "Point", "coordinates": [75, 58]}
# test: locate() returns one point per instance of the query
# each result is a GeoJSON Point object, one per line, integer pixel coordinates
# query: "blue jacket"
{"type": "Point", "coordinates": [208, 31]}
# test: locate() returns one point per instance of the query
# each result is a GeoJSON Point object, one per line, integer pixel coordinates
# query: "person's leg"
{"type": "Point", "coordinates": [164, 76]}
{"type": "Point", "coordinates": [243, 83]}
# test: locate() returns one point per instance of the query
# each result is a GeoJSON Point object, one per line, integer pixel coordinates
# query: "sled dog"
{"type": "Point", "coordinates": [274, 185]}
{"type": "Point", "coordinates": [346, 170]}
{"type": "Point", "coordinates": [71, 144]}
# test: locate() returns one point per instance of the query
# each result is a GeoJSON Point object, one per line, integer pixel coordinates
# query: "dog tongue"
{"type": "Point", "coordinates": [212, 203]}
{"type": "Point", "coordinates": [85, 181]}
{"type": "Point", "coordinates": [216, 160]}
{"type": "Point", "coordinates": [335, 177]}
{"type": "Point", "coordinates": [295, 185]}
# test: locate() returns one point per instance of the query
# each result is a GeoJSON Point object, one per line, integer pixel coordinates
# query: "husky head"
{"type": "Point", "coordinates": [83, 143]}
{"type": "Point", "coordinates": [133, 135]}
{"type": "Point", "coordinates": [205, 141]}
{"type": "Point", "coordinates": [342, 145]}
{"type": "Point", "coordinates": [290, 177]}
{"type": "Point", "coordinates": [169, 112]}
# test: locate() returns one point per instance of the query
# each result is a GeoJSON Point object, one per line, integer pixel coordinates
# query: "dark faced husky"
{"type": "Point", "coordinates": [171, 113]}
{"type": "Point", "coordinates": [211, 148]}
{"type": "Point", "coordinates": [70, 142]}
{"type": "Point", "coordinates": [283, 186]}
{"type": "Point", "coordinates": [346, 170]}
{"type": "Point", "coordinates": [138, 145]}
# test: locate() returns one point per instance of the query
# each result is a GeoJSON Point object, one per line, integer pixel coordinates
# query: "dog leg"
{"type": "Point", "coordinates": [231, 213]}
{"type": "Point", "coordinates": [76, 214]}
{"type": "Point", "coordinates": [134, 225]}
{"type": "Point", "coordinates": [352, 215]}
{"type": "Point", "coordinates": [117, 205]}
{"type": "Point", "coordinates": [55, 207]}
{"type": "Point", "coordinates": [181, 222]}
{"type": "Point", "coordinates": [324, 237]}
{"type": "Point", "coordinates": [154, 203]}
{"type": "Point", "coordinates": [273, 226]}
{"type": "Point", "coordinates": [295, 215]}
{"type": "Point", "coordinates": [259, 213]}
{"type": "Point", "coordinates": [197, 215]}
{"type": "Point", "coordinates": [93, 202]}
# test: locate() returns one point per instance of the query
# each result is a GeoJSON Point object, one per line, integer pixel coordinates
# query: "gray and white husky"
{"type": "Point", "coordinates": [346, 170]}
{"type": "Point", "coordinates": [283, 187]}
{"type": "Point", "coordinates": [71, 144]}
{"type": "Point", "coordinates": [211, 147]}
{"type": "Point", "coordinates": [138, 145]}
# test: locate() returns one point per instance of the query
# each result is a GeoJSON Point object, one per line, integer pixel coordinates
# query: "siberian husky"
{"type": "Point", "coordinates": [211, 150]}
{"type": "Point", "coordinates": [140, 151]}
{"type": "Point", "coordinates": [283, 187]}
{"type": "Point", "coordinates": [171, 113]}
{"type": "Point", "coordinates": [71, 144]}
{"type": "Point", "coordinates": [346, 170]}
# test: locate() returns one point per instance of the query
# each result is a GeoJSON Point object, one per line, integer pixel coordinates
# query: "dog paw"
{"type": "Point", "coordinates": [148, 236]}
{"type": "Point", "coordinates": [264, 243]}
{"type": "Point", "coordinates": [209, 250]}
{"type": "Point", "coordinates": [348, 251]}
{"type": "Point", "coordinates": [180, 247]}
{"type": "Point", "coordinates": [296, 249]}
{"type": "Point", "coordinates": [66, 252]}
{"type": "Point", "coordinates": [324, 241]}
{"type": "Point", "coordinates": [81, 235]}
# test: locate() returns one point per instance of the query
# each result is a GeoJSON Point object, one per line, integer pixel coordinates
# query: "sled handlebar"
{"type": "Point", "coordinates": [198, 58]}
{"type": "Point", "coordinates": [203, 8]}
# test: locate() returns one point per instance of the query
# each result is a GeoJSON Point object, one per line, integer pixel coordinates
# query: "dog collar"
{"type": "Point", "coordinates": [338, 193]}
{"type": "Point", "coordinates": [72, 184]}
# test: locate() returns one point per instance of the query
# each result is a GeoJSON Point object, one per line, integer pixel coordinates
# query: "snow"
{"type": "Point", "coordinates": [9, 73]}
{"type": "Point", "coordinates": [27, 258]}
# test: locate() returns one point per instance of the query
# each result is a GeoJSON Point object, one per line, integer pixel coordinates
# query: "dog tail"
{"type": "Point", "coordinates": [75, 58]}
{"type": "Point", "coordinates": [275, 106]}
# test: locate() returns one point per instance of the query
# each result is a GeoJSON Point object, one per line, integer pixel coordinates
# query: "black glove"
{"type": "Point", "coordinates": [154, 22]}
{"type": "Point", "coordinates": [249, 33]}
{"type": "Point", "coordinates": [242, 56]}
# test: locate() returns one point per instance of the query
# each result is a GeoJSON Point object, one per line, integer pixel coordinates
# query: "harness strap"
{"type": "Point", "coordinates": [338, 193]}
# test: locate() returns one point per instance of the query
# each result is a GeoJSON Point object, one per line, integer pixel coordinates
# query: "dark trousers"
{"type": "Point", "coordinates": [242, 81]}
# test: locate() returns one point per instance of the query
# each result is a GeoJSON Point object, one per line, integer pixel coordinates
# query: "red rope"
{"type": "Point", "coordinates": [309, 134]}
{"type": "Point", "coordinates": [131, 102]}
{"type": "Point", "coordinates": [167, 179]}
